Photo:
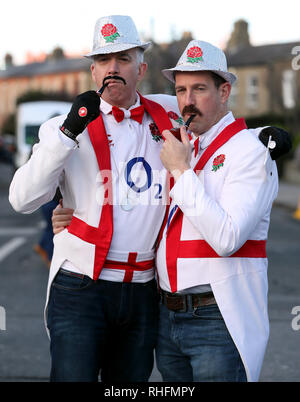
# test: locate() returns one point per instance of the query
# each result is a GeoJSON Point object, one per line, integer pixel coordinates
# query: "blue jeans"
{"type": "Point", "coordinates": [101, 326]}
{"type": "Point", "coordinates": [196, 346]}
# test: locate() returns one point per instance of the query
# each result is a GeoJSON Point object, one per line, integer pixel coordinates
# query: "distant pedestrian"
{"type": "Point", "coordinates": [44, 248]}
{"type": "Point", "coordinates": [5, 155]}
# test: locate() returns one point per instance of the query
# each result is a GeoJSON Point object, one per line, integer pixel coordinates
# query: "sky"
{"type": "Point", "coordinates": [39, 26]}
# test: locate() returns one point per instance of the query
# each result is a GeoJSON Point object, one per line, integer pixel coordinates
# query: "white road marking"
{"type": "Point", "coordinates": [2, 319]}
{"type": "Point", "coordinates": [11, 246]}
{"type": "Point", "coordinates": [25, 231]}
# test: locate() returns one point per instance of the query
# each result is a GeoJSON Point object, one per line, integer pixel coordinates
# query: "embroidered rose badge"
{"type": "Point", "coordinates": [109, 32]}
{"type": "Point", "coordinates": [218, 162]}
{"type": "Point", "coordinates": [194, 54]}
{"type": "Point", "coordinates": [174, 116]}
{"type": "Point", "coordinates": [155, 132]}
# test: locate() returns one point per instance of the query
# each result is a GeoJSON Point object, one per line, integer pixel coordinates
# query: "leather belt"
{"type": "Point", "coordinates": [181, 302]}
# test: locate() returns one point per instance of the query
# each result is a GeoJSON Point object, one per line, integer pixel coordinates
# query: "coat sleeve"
{"type": "Point", "coordinates": [35, 183]}
{"type": "Point", "coordinates": [247, 194]}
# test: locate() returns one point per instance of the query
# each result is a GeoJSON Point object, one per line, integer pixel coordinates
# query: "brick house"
{"type": "Point", "coordinates": [268, 80]}
{"type": "Point", "coordinates": [71, 76]}
{"type": "Point", "coordinates": [268, 77]}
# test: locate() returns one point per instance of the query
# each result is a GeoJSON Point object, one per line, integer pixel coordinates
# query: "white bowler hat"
{"type": "Point", "coordinates": [115, 33]}
{"type": "Point", "coordinates": [201, 56]}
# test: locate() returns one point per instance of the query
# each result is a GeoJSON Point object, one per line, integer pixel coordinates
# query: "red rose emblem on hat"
{"type": "Point", "coordinates": [218, 162]}
{"type": "Point", "coordinates": [109, 32]}
{"type": "Point", "coordinates": [194, 54]}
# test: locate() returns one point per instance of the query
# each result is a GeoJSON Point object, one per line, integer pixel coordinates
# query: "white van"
{"type": "Point", "coordinates": [30, 116]}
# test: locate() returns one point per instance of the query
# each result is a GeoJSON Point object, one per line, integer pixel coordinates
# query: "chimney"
{"type": "Point", "coordinates": [239, 38]}
{"type": "Point", "coordinates": [8, 61]}
{"type": "Point", "coordinates": [56, 54]}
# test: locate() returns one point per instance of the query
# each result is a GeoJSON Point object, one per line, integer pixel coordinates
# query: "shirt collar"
{"type": "Point", "coordinates": [106, 108]}
{"type": "Point", "coordinates": [206, 138]}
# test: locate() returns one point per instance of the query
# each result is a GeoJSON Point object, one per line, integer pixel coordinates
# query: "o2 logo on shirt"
{"type": "Point", "coordinates": [140, 178]}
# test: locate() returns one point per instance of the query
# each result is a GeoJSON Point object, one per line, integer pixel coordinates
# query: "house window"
{"type": "Point", "coordinates": [289, 89]}
{"type": "Point", "coordinates": [252, 91]}
{"type": "Point", "coordinates": [233, 96]}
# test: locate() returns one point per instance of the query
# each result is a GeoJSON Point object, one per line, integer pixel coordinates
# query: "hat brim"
{"type": "Point", "coordinates": [117, 47]}
{"type": "Point", "coordinates": [169, 73]}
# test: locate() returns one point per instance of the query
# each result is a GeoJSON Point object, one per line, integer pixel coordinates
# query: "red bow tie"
{"type": "Point", "coordinates": [135, 114]}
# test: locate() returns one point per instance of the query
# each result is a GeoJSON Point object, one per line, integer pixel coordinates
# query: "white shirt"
{"type": "Point", "coordinates": [135, 230]}
{"type": "Point", "coordinates": [204, 141]}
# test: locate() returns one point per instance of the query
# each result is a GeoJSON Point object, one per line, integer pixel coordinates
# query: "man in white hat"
{"type": "Point", "coordinates": [211, 260]}
{"type": "Point", "coordinates": [102, 297]}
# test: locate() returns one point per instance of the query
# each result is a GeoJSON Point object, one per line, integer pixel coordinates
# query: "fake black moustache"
{"type": "Point", "coordinates": [105, 84]}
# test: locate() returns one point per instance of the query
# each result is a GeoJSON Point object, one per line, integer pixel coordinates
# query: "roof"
{"type": "Point", "coordinates": [265, 54]}
{"type": "Point", "coordinates": [251, 55]}
{"type": "Point", "coordinates": [47, 67]}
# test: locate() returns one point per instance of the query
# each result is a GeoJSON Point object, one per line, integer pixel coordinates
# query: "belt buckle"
{"type": "Point", "coordinates": [185, 304]}
{"type": "Point", "coordinates": [179, 305]}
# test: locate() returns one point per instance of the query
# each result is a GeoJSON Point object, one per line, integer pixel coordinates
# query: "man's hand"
{"type": "Point", "coordinates": [281, 138]}
{"type": "Point", "coordinates": [61, 218]}
{"type": "Point", "coordinates": [176, 155]}
{"type": "Point", "coordinates": [84, 110]}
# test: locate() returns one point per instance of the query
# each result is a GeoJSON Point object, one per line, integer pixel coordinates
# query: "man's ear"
{"type": "Point", "coordinates": [142, 70]}
{"type": "Point", "coordinates": [93, 71]}
{"type": "Point", "coordinates": [224, 91]}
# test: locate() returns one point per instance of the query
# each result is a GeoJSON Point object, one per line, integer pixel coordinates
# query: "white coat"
{"type": "Point", "coordinates": [76, 171]}
{"type": "Point", "coordinates": [224, 208]}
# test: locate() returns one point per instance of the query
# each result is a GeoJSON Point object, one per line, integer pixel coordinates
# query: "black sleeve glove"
{"type": "Point", "coordinates": [84, 110]}
{"type": "Point", "coordinates": [281, 138]}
